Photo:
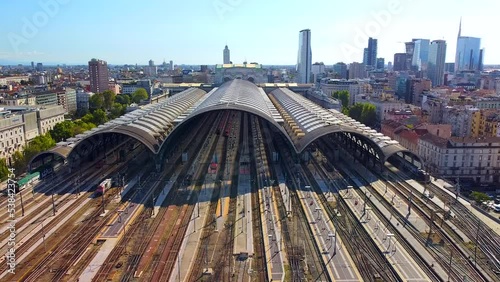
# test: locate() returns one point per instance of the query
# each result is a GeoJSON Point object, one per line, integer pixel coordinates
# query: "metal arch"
{"type": "Point", "coordinates": [49, 152]}
{"type": "Point", "coordinates": [403, 150]}
{"type": "Point", "coordinates": [330, 129]}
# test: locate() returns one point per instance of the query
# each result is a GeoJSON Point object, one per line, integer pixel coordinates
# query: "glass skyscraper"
{"type": "Point", "coordinates": [468, 53]}
{"type": "Point", "coordinates": [421, 54]}
{"type": "Point", "coordinates": [305, 57]}
{"type": "Point", "coordinates": [437, 57]}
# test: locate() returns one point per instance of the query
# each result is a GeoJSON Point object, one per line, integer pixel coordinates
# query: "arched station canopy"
{"type": "Point", "coordinates": [297, 118]}
{"type": "Point", "coordinates": [306, 121]}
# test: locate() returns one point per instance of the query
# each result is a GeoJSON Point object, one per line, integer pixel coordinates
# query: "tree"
{"type": "Point", "coordinates": [123, 99]}
{"type": "Point", "coordinates": [18, 161]}
{"type": "Point", "coordinates": [87, 118]}
{"type": "Point", "coordinates": [96, 101]}
{"type": "Point", "coordinates": [62, 130]}
{"type": "Point", "coordinates": [99, 117]}
{"type": "Point", "coordinates": [368, 115]}
{"type": "Point", "coordinates": [109, 98]}
{"type": "Point", "coordinates": [118, 110]}
{"type": "Point", "coordinates": [139, 94]}
{"type": "Point", "coordinates": [355, 111]}
{"type": "Point", "coordinates": [343, 96]}
{"type": "Point", "coordinates": [479, 197]}
{"type": "Point", "coordinates": [81, 127]}
{"type": "Point", "coordinates": [4, 170]}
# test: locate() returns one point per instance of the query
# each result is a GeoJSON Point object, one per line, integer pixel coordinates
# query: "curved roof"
{"type": "Point", "coordinates": [300, 120]}
{"type": "Point", "coordinates": [307, 121]}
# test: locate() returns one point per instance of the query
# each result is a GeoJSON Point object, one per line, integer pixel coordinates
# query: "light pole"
{"type": "Point", "coordinates": [119, 215]}
{"type": "Point", "coordinates": [389, 235]}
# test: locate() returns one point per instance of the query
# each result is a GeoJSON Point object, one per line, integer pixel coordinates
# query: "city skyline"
{"type": "Point", "coordinates": [71, 32]}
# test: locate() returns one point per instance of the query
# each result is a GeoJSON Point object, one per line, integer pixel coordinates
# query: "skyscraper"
{"type": "Point", "coordinates": [421, 54]}
{"type": "Point", "coordinates": [380, 64]}
{"type": "Point", "coordinates": [437, 57]}
{"type": "Point", "coordinates": [370, 53]}
{"type": "Point", "coordinates": [151, 63]}
{"type": "Point", "coordinates": [340, 70]}
{"type": "Point", "coordinates": [468, 55]}
{"type": "Point", "coordinates": [401, 62]}
{"type": "Point", "coordinates": [99, 78]}
{"type": "Point", "coordinates": [305, 57]}
{"type": "Point", "coordinates": [227, 56]}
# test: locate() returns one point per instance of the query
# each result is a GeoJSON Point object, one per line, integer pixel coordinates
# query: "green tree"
{"type": "Point", "coordinates": [109, 98]}
{"type": "Point", "coordinates": [88, 118]}
{"type": "Point", "coordinates": [343, 96]}
{"type": "Point", "coordinates": [4, 170]}
{"type": "Point", "coordinates": [99, 117]}
{"type": "Point", "coordinates": [139, 94]}
{"type": "Point", "coordinates": [123, 99]}
{"type": "Point", "coordinates": [355, 111]}
{"type": "Point", "coordinates": [118, 110]}
{"type": "Point", "coordinates": [479, 197]}
{"type": "Point", "coordinates": [96, 101]}
{"type": "Point", "coordinates": [368, 115]}
{"type": "Point", "coordinates": [63, 130]}
{"type": "Point", "coordinates": [81, 127]}
{"type": "Point", "coordinates": [18, 161]}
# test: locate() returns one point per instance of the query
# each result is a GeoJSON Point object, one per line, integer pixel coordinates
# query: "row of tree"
{"type": "Point", "coordinates": [362, 112]}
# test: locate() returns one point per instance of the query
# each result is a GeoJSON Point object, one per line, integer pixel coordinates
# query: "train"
{"type": "Point", "coordinates": [22, 183]}
{"type": "Point", "coordinates": [101, 188]}
{"type": "Point", "coordinates": [419, 174]}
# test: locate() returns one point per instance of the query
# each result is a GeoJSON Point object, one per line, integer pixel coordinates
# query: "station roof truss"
{"type": "Point", "coordinates": [297, 118]}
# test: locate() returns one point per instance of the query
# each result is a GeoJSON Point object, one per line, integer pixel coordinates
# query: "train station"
{"type": "Point", "coordinates": [243, 182]}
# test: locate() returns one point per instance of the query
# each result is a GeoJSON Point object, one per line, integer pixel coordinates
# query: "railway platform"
{"type": "Point", "coordinates": [412, 241]}
{"type": "Point", "coordinates": [192, 238]}
{"type": "Point", "coordinates": [401, 261]}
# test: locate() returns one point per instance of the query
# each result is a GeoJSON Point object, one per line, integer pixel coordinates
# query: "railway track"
{"type": "Point", "coordinates": [71, 248]}
{"type": "Point", "coordinates": [441, 254]}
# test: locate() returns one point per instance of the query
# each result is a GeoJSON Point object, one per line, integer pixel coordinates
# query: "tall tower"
{"type": "Point", "coordinates": [227, 56]}
{"type": "Point", "coordinates": [304, 60]}
{"type": "Point", "coordinates": [372, 52]}
{"type": "Point", "coordinates": [421, 54]}
{"type": "Point", "coordinates": [99, 78]}
{"type": "Point", "coordinates": [437, 58]}
{"type": "Point", "coordinates": [468, 55]}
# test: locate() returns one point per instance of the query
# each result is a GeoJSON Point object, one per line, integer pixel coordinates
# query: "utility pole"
{"type": "Point", "coordinates": [449, 266]}
{"type": "Point", "coordinates": [22, 206]}
{"type": "Point", "coordinates": [475, 244]}
{"type": "Point", "coordinates": [53, 204]}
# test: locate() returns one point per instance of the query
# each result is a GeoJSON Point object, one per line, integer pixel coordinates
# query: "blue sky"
{"type": "Point", "coordinates": [264, 31]}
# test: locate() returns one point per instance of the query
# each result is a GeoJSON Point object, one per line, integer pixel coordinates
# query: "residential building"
{"type": "Point", "coordinates": [20, 100]}
{"type": "Point", "coordinates": [460, 119]}
{"type": "Point", "coordinates": [357, 70]}
{"type": "Point", "coordinates": [304, 60]}
{"type": "Point", "coordinates": [486, 123]}
{"type": "Point", "coordinates": [464, 158]}
{"type": "Point", "coordinates": [384, 107]}
{"type": "Point", "coordinates": [99, 77]}
{"type": "Point", "coordinates": [340, 70]}
{"type": "Point", "coordinates": [82, 100]}
{"type": "Point", "coordinates": [48, 117]}
{"type": "Point", "coordinates": [355, 87]}
{"type": "Point", "coordinates": [12, 136]}
{"type": "Point", "coordinates": [129, 88]}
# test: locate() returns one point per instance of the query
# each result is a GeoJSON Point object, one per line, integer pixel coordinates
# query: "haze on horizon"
{"type": "Point", "coordinates": [130, 32]}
